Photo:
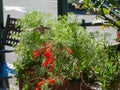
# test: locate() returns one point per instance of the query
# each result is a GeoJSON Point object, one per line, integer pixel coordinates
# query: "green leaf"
{"type": "Point", "coordinates": [118, 22]}
{"type": "Point", "coordinates": [87, 2]}
{"type": "Point", "coordinates": [106, 11]}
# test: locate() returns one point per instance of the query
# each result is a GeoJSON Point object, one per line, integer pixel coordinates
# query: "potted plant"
{"type": "Point", "coordinates": [58, 55]}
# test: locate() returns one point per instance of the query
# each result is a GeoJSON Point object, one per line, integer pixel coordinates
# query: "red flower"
{"type": "Point", "coordinates": [40, 84]}
{"type": "Point", "coordinates": [118, 35]}
{"type": "Point", "coordinates": [69, 51]}
{"type": "Point", "coordinates": [51, 68]}
{"type": "Point", "coordinates": [36, 53]}
{"type": "Point", "coordinates": [45, 63]}
{"type": "Point", "coordinates": [50, 60]}
{"type": "Point", "coordinates": [51, 81]}
{"type": "Point", "coordinates": [47, 54]}
{"type": "Point", "coordinates": [37, 88]}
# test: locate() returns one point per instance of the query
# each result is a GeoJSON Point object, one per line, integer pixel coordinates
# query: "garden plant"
{"type": "Point", "coordinates": [55, 53]}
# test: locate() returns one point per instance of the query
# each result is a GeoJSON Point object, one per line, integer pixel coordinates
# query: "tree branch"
{"type": "Point", "coordinates": [109, 19]}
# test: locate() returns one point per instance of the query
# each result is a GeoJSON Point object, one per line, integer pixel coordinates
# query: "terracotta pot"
{"type": "Point", "coordinates": [68, 86]}
{"type": "Point", "coordinates": [73, 86]}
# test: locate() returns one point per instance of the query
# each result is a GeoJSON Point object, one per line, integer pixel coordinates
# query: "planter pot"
{"type": "Point", "coordinates": [72, 85]}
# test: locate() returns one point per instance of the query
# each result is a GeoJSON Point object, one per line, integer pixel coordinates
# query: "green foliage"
{"type": "Point", "coordinates": [87, 58]}
{"type": "Point", "coordinates": [104, 9]}
{"type": "Point", "coordinates": [118, 22]}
